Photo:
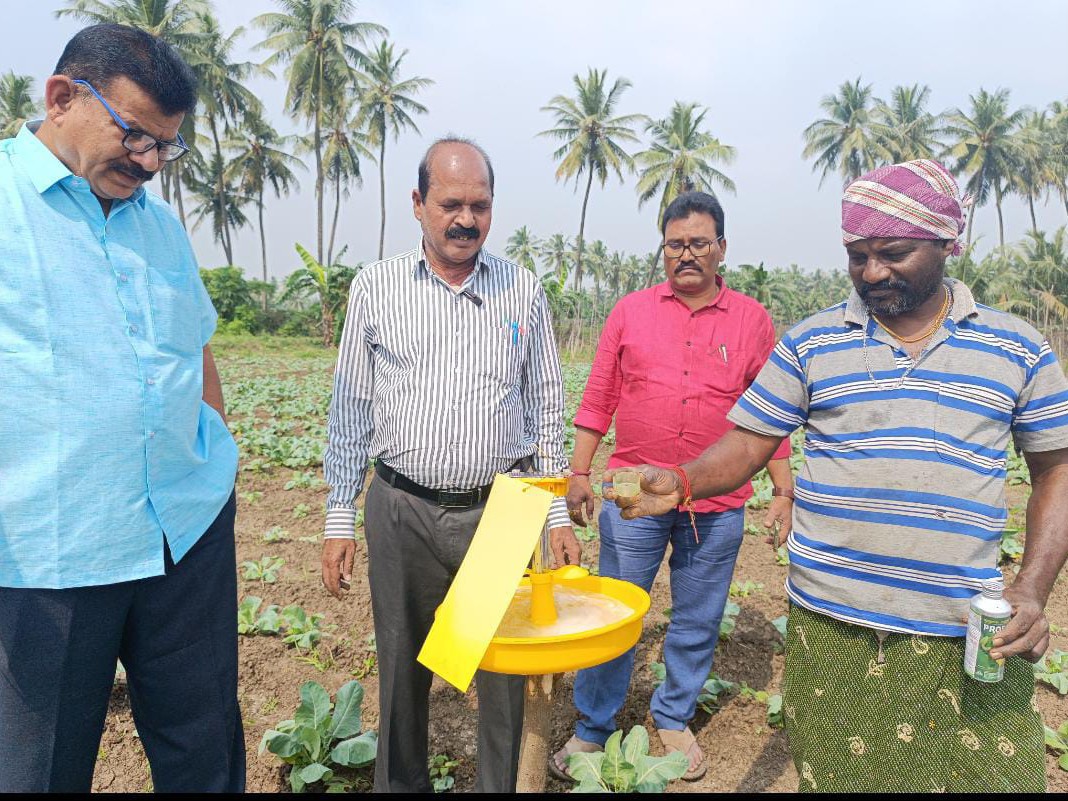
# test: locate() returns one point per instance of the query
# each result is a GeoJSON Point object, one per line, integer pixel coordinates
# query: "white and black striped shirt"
{"type": "Point", "coordinates": [447, 387]}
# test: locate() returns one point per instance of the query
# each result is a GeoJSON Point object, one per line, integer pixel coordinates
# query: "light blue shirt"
{"type": "Point", "coordinates": [106, 446]}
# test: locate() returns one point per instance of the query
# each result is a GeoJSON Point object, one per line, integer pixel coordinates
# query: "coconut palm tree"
{"type": "Point", "coordinates": [344, 144]}
{"type": "Point", "coordinates": [320, 46]}
{"type": "Point", "coordinates": [903, 128]}
{"type": "Point", "coordinates": [843, 141]}
{"type": "Point", "coordinates": [523, 248]}
{"type": "Point", "coordinates": [983, 149]}
{"type": "Point", "coordinates": [16, 102]}
{"type": "Point", "coordinates": [556, 254]}
{"type": "Point", "coordinates": [261, 158]}
{"type": "Point", "coordinates": [1057, 161]}
{"type": "Point", "coordinates": [680, 158]}
{"type": "Point", "coordinates": [591, 138]}
{"type": "Point", "coordinates": [1032, 143]}
{"type": "Point", "coordinates": [170, 20]}
{"type": "Point", "coordinates": [224, 99]}
{"type": "Point", "coordinates": [386, 107]}
{"type": "Point", "coordinates": [224, 210]}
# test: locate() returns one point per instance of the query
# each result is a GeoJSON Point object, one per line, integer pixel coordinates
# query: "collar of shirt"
{"type": "Point", "coordinates": [45, 170]}
{"type": "Point", "coordinates": [423, 268]}
{"type": "Point", "coordinates": [720, 301]}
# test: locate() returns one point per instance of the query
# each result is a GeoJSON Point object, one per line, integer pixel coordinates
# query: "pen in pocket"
{"type": "Point", "coordinates": [723, 352]}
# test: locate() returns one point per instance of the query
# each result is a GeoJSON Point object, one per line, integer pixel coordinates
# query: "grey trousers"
{"type": "Point", "coordinates": [414, 550]}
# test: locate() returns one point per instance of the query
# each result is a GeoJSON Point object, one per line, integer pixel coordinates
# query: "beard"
{"type": "Point", "coordinates": [911, 295]}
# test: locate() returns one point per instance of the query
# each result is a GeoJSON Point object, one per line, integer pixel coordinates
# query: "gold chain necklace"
{"type": "Point", "coordinates": [939, 319]}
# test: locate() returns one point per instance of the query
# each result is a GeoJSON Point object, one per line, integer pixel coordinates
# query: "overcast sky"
{"type": "Point", "coordinates": [760, 66]}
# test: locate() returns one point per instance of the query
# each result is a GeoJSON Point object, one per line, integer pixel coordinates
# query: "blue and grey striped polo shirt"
{"type": "Point", "coordinates": [901, 502]}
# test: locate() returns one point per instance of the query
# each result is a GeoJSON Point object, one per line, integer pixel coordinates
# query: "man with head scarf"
{"type": "Point", "coordinates": [909, 393]}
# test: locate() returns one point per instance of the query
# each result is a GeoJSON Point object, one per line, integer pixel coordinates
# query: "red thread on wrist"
{"type": "Point", "coordinates": [580, 472]}
{"type": "Point", "coordinates": [687, 500]}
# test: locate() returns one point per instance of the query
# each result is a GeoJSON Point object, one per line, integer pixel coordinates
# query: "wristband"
{"type": "Point", "coordinates": [687, 500]}
{"type": "Point", "coordinates": [580, 473]}
{"type": "Point", "coordinates": [782, 493]}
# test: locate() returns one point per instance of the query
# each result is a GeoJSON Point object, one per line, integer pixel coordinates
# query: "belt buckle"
{"type": "Point", "coordinates": [455, 499]}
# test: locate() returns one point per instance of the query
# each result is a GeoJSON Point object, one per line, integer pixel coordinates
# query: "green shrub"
{"type": "Point", "coordinates": [323, 739]}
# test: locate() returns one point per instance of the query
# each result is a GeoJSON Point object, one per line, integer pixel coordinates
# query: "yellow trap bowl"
{"type": "Point", "coordinates": [536, 656]}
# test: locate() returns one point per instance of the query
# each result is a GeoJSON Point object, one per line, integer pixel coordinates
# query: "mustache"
{"type": "Point", "coordinates": [458, 231]}
{"type": "Point", "coordinates": [688, 265]}
{"type": "Point", "coordinates": [889, 283]}
{"type": "Point", "coordinates": [134, 171]}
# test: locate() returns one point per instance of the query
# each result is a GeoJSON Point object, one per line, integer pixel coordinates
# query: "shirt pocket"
{"type": "Point", "coordinates": [724, 372]}
{"type": "Point", "coordinates": [176, 311]}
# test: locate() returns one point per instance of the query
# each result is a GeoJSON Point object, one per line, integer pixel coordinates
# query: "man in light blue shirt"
{"type": "Point", "coordinates": [116, 466]}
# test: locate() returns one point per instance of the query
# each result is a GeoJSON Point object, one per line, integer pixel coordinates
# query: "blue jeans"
{"type": "Point", "coordinates": [633, 550]}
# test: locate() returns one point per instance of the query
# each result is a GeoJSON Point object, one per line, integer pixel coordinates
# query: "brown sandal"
{"type": "Point", "coordinates": [685, 743]}
{"type": "Point", "coordinates": [558, 761]}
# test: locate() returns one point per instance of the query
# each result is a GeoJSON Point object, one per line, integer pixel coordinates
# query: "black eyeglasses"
{"type": "Point", "coordinates": [697, 247]}
{"type": "Point", "coordinates": [138, 141]}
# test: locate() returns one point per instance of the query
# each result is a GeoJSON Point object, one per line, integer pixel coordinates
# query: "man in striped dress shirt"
{"type": "Point", "coordinates": [447, 375]}
{"type": "Point", "coordinates": [909, 393]}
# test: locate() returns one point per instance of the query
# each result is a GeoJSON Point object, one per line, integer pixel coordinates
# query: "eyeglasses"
{"type": "Point", "coordinates": [138, 141]}
{"type": "Point", "coordinates": [698, 247]}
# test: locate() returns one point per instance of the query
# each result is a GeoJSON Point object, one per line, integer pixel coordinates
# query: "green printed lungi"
{"type": "Point", "coordinates": [906, 720]}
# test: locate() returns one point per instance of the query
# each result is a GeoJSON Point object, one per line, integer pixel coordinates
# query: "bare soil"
{"type": "Point", "coordinates": [744, 753]}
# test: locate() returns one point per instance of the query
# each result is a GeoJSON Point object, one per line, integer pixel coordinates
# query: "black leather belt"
{"type": "Point", "coordinates": [447, 498]}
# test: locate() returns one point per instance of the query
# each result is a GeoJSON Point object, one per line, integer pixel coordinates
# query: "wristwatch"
{"type": "Point", "coordinates": [780, 492]}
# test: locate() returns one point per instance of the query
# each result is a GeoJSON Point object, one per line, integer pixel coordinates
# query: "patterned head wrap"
{"type": "Point", "coordinates": [913, 200]}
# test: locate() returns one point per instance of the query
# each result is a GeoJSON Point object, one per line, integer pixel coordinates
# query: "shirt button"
{"type": "Point", "coordinates": [684, 402]}
{"type": "Point", "coordinates": [685, 372]}
{"type": "Point", "coordinates": [687, 344]}
{"type": "Point", "coordinates": [151, 434]}
{"type": "Point", "coordinates": [150, 381]}
{"type": "Point", "coordinates": [124, 277]}
{"type": "Point", "coordinates": [133, 329]}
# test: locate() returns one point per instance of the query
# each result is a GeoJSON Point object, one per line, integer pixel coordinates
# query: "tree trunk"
{"type": "Point", "coordinates": [220, 194]}
{"type": "Point", "coordinates": [1031, 208]}
{"type": "Point", "coordinates": [319, 166]}
{"type": "Point", "coordinates": [178, 197]}
{"type": "Point", "coordinates": [1001, 222]}
{"type": "Point", "coordinates": [582, 227]}
{"type": "Point", "coordinates": [333, 227]}
{"type": "Point", "coordinates": [263, 245]}
{"type": "Point", "coordinates": [382, 193]}
{"type": "Point", "coordinates": [971, 221]}
{"type": "Point", "coordinates": [652, 265]}
{"type": "Point", "coordinates": [328, 321]}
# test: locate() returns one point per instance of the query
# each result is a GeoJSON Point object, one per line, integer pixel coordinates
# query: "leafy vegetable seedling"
{"type": "Point", "coordinates": [625, 766]}
{"type": "Point", "coordinates": [323, 738]}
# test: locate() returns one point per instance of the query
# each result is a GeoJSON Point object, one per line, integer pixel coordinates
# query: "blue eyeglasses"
{"type": "Point", "coordinates": [138, 141]}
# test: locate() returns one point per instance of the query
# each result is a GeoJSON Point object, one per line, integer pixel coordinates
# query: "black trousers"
{"type": "Point", "coordinates": [415, 548]}
{"type": "Point", "coordinates": [176, 635]}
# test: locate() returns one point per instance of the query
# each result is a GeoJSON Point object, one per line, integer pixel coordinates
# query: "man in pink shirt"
{"type": "Point", "coordinates": [671, 362]}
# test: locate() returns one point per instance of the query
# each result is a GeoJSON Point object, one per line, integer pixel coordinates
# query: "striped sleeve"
{"type": "Point", "coordinates": [1040, 420]}
{"type": "Point", "coordinates": [350, 424]}
{"type": "Point", "coordinates": [543, 399]}
{"type": "Point", "coordinates": [543, 391]}
{"type": "Point", "coordinates": [777, 401]}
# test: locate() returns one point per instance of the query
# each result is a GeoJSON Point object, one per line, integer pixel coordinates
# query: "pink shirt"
{"type": "Point", "coordinates": [670, 375]}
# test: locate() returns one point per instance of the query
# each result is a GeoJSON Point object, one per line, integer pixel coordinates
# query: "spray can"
{"type": "Point", "coordinates": [987, 616]}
